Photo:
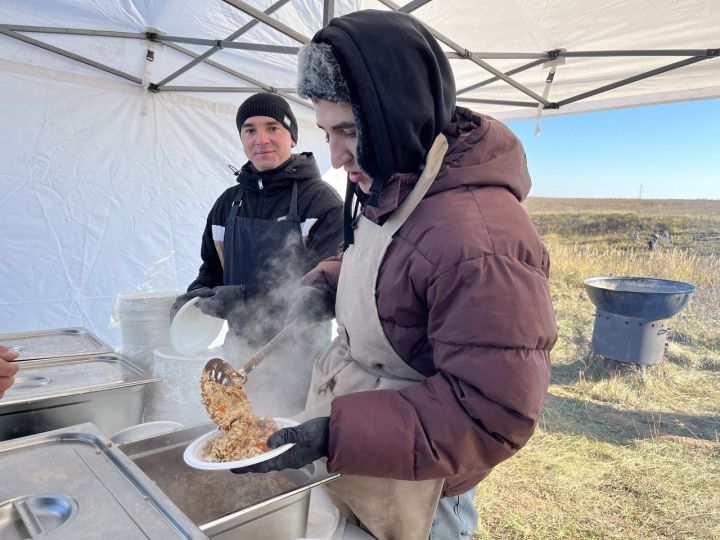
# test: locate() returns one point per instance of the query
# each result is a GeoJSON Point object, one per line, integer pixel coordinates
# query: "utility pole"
{"type": "Point", "coordinates": [640, 196]}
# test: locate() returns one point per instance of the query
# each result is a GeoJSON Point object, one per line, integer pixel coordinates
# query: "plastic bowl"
{"type": "Point", "coordinates": [192, 331]}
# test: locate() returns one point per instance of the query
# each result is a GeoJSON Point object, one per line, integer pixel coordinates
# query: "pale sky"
{"type": "Point", "coordinates": [672, 151]}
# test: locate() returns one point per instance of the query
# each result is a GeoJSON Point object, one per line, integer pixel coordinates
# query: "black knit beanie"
{"type": "Point", "coordinates": [267, 104]}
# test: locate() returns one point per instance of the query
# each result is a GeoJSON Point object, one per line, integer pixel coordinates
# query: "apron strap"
{"type": "Point", "coordinates": [432, 167]}
{"type": "Point", "coordinates": [293, 210]}
{"type": "Point", "coordinates": [237, 203]}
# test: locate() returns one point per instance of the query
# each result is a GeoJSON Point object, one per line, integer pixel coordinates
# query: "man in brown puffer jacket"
{"type": "Point", "coordinates": [445, 324]}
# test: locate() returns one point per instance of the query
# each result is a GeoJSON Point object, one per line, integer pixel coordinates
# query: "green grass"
{"type": "Point", "coordinates": [619, 454]}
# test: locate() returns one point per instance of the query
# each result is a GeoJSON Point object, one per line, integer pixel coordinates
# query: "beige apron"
{"type": "Point", "coordinates": [361, 358]}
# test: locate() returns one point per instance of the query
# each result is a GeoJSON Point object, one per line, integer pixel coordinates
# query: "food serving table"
{"type": "Point", "coordinates": [272, 506]}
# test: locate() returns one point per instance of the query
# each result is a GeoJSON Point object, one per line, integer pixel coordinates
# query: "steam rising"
{"type": "Point", "coordinates": [279, 385]}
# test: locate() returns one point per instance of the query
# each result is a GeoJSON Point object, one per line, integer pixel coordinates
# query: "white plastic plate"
{"type": "Point", "coordinates": [192, 331]}
{"type": "Point", "coordinates": [193, 454]}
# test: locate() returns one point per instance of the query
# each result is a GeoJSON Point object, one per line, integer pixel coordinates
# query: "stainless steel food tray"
{"type": "Point", "coordinates": [50, 393]}
{"type": "Point", "coordinates": [74, 483]}
{"type": "Point", "coordinates": [270, 506]}
{"type": "Point", "coordinates": [55, 343]}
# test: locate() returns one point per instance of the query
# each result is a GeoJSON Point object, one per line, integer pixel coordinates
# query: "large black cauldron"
{"type": "Point", "coordinates": [630, 322]}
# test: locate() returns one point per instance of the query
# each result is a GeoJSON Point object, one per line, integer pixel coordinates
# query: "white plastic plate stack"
{"type": "Point", "coordinates": [144, 319]}
{"type": "Point", "coordinates": [177, 396]}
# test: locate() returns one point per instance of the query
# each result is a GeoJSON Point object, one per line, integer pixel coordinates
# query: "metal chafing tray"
{"type": "Point", "coordinates": [54, 343]}
{"type": "Point", "coordinates": [74, 483]}
{"type": "Point", "coordinates": [270, 506]}
{"type": "Point", "coordinates": [51, 393]}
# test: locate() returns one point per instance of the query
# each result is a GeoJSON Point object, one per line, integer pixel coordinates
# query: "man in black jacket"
{"type": "Point", "coordinates": [265, 233]}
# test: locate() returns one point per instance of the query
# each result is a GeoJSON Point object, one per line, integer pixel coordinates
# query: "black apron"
{"type": "Point", "coordinates": [259, 256]}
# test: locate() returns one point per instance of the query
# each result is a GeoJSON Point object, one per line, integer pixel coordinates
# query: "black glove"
{"type": "Point", "coordinates": [310, 305]}
{"type": "Point", "coordinates": [185, 298]}
{"type": "Point", "coordinates": [311, 443]}
{"type": "Point", "coordinates": [222, 300]}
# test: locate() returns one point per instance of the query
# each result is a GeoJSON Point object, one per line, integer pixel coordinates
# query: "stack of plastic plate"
{"type": "Point", "coordinates": [144, 319]}
{"type": "Point", "coordinates": [176, 397]}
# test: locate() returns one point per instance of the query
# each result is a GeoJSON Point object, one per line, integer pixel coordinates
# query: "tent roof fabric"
{"type": "Point", "coordinates": [508, 57]}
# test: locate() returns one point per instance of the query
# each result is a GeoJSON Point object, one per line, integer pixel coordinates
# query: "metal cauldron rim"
{"type": "Point", "coordinates": [682, 287]}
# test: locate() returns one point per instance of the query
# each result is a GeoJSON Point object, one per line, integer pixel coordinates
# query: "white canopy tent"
{"type": "Point", "coordinates": [118, 115]}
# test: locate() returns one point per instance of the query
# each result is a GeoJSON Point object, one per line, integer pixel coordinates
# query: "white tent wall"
{"type": "Point", "coordinates": [104, 189]}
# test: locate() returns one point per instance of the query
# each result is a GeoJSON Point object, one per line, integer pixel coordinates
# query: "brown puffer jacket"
{"type": "Point", "coordinates": [463, 298]}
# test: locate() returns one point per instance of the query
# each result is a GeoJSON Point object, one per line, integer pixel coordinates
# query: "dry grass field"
{"type": "Point", "coordinates": [619, 455]}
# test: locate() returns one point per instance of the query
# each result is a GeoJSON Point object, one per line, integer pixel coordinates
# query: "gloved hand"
{"type": "Point", "coordinates": [311, 442]}
{"type": "Point", "coordinates": [310, 305]}
{"type": "Point", "coordinates": [220, 304]}
{"type": "Point", "coordinates": [185, 298]}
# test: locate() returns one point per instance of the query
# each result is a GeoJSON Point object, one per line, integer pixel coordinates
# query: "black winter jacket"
{"type": "Point", "coordinates": [267, 196]}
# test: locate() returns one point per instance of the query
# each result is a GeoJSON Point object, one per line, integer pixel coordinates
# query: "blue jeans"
{"type": "Point", "coordinates": [455, 517]}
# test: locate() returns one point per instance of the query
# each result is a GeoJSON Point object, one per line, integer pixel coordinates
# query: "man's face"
{"type": "Point", "coordinates": [341, 134]}
{"type": "Point", "coordinates": [266, 143]}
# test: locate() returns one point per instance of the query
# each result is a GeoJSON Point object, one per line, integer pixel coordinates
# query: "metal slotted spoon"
{"type": "Point", "coordinates": [219, 371]}
{"type": "Point", "coordinates": [222, 373]}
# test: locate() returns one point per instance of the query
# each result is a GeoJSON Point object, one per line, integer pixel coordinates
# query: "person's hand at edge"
{"type": "Point", "coordinates": [8, 368]}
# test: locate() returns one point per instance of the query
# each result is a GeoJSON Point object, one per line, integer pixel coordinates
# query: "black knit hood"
{"type": "Point", "coordinates": [401, 88]}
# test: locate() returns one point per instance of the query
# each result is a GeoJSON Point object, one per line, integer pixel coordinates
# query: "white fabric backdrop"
{"type": "Point", "coordinates": [94, 192]}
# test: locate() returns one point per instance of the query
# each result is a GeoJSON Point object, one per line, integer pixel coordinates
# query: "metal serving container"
{"type": "Point", "coordinates": [54, 343]}
{"type": "Point", "coordinates": [225, 506]}
{"type": "Point", "coordinates": [51, 393]}
{"type": "Point", "coordinates": [74, 483]}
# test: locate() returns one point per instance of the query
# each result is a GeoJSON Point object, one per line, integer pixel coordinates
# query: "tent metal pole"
{"type": "Point", "coordinates": [224, 44]}
{"type": "Point", "coordinates": [629, 80]}
{"type": "Point", "coordinates": [583, 54]}
{"type": "Point", "coordinates": [328, 11]}
{"type": "Point", "coordinates": [499, 102]}
{"type": "Point", "coordinates": [75, 31]}
{"type": "Point", "coordinates": [235, 89]}
{"type": "Point", "coordinates": [497, 55]}
{"type": "Point", "coordinates": [272, 23]}
{"type": "Point", "coordinates": [475, 59]}
{"type": "Point", "coordinates": [412, 6]}
{"type": "Point", "coordinates": [72, 56]}
{"type": "Point", "coordinates": [246, 78]}
{"type": "Point", "coordinates": [493, 79]}
{"type": "Point", "coordinates": [202, 57]}
{"type": "Point", "coordinates": [660, 52]}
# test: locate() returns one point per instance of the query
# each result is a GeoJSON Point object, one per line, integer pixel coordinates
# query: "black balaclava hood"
{"type": "Point", "coordinates": [401, 89]}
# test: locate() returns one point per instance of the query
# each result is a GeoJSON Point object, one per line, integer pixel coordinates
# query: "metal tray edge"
{"type": "Point", "coordinates": [235, 515]}
{"type": "Point", "coordinates": [88, 433]}
{"type": "Point", "coordinates": [88, 390]}
{"type": "Point", "coordinates": [103, 348]}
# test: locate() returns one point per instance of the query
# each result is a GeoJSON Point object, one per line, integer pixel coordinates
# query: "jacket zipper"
{"type": "Point", "coordinates": [259, 206]}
